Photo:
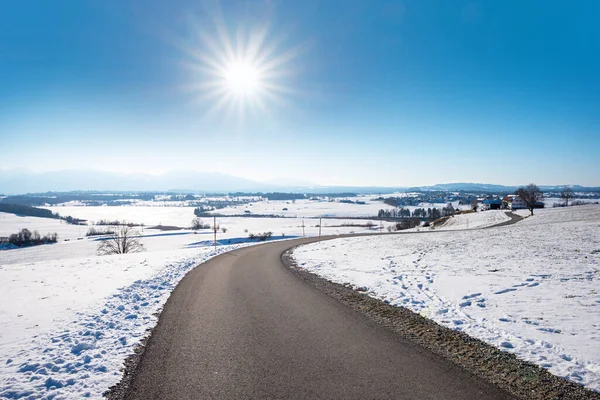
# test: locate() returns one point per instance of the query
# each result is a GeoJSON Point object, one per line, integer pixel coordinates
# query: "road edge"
{"type": "Point", "coordinates": [512, 375]}
{"type": "Point", "coordinates": [119, 390]}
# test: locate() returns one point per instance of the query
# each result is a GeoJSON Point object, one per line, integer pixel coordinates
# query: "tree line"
{"type": "Point", "coordinates": [18, 209]}
{"type": "Point", "coordinates": [27, 238]}
{"type": "Point", "coordinates": [421, 213]}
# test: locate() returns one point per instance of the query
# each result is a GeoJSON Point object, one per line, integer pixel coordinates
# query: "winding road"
{"type": "Point", "coordinates": [243, 326]}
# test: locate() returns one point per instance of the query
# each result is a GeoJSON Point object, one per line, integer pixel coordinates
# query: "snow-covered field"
{"type": "Point", "coordinates": [474, 220]}
{"type": "Point", "coordinates": [531, 288]}
{"type": "Point", "coordinates": [174, 213]}
{"type": "Point", "coordinates": [311, 208]}
{"type": "Point", "coordinates": [236, 226]}
{"type": "Point", "coordinates": [69, 318]}
{"type": "Point", "coordinates": [10, 223]}
{"type": "Point", "coordinates": [322, 208]}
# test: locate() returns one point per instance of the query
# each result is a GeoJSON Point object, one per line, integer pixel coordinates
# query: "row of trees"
{"type": "Point", "coordinates": [421, 213]}
{"type": "Point", "coordinates": [27, 238]}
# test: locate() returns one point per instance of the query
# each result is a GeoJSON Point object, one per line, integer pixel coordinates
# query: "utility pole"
{"type": "Point", "coordinates": [215, 230]}
{"type": "Point", "coordinates": [320, 223]}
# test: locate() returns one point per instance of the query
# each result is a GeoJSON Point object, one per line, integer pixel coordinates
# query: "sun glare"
{"type": "Point", "coordinates": [243, 73]}
{"type": "Point", "coordinates": [242, 78]}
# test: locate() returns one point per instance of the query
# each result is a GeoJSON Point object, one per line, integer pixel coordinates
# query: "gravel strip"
{"type": "Point", "coordinates": [119, 391]}
{"type": "Point", "coordinates": [522, 379]}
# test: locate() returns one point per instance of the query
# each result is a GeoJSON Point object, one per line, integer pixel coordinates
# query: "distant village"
{"type": "Point", "coordinates": [474, 201]}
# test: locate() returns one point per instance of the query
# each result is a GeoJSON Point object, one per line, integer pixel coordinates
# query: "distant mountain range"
{"type": "Point", "coordinates": [19, 181]}
{"type": "Point", "coordinates": [26, 181]}
{"type": "Point", "coordinates": [484, 187]}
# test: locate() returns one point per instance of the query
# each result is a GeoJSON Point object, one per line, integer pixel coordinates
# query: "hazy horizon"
{"type": "Point", "coordinates": [20, 181]}
{"type": "Point", "coordinates": [391, 93]}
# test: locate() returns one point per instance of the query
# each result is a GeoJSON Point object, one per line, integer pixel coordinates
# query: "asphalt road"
{"type": "Point", "coordinates": [242, 326]}
{"type": "Point", "coordinates": [514, 218]}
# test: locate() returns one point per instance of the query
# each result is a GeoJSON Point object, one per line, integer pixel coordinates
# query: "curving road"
{"type": "Point", "coordinates": [242, 326]}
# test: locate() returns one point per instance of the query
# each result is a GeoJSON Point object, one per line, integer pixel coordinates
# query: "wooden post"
{"type": "Point", "coordinates": [320, 224]}
{"type": "Point", "coordinates": [303, 227]}
{"type": "Point", "coordinates": [215, 230]}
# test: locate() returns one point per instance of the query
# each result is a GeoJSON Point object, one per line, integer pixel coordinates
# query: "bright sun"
{"type": "Point", "coordinates": [246, 73]}
{"type": "Point", "coordinates": [242, 78]}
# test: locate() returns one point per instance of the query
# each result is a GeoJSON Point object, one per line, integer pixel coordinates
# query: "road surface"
{"type": "Point", "coordinates": [514, 218]}
{"type": "Point", "coordinates": [242, 326]}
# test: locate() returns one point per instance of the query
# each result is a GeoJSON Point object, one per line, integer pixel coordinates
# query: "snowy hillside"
{"type": "Point", "coordinates": [474, 220]}
{"type": "Point", "coordinates": [529, 288]}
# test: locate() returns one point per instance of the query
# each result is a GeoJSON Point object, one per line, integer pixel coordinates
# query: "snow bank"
{"type": "Point", "coordinates": [66, 326]}
{"type": "Point", "coordinates": [529, 288]}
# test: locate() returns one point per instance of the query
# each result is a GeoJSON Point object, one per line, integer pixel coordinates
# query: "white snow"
{"type": "Point", "coordinates": [474, 220]}
{"type": "Point", "coordinates": [10, 223]}
{"type": "Point", "coordinates": [236, 226]}
{"type": "Point", "coordinates": [69, 318]}
{"type": "Point", "coordinates": [530, 288]}
{"type": "Point", "coordinates": [311, 208]}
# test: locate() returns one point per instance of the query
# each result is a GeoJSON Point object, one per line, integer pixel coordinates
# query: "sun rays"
{"type": "Point", "coordinates": [241, 74]}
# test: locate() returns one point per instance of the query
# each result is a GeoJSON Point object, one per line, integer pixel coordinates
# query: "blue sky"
{"type": "Point", "coordinates": [366, 92]}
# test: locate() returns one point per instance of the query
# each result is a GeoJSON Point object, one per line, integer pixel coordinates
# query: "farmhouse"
{"type": "Point", "coordinates": [514, 202]}
{"type": "Point", "coordinates": [492, 204]}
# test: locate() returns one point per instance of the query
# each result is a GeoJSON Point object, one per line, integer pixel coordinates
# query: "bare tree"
{"type": "Point", "coordinates": [124, 240]}
{"type": "Point", "coordinates": [197, 223]}
{"type": "Point", "coordinates": [474, 205]}
{"type": "Point", "coordinates": [530, 195]}
{"type": "Point", "coordinates": [567, 194]}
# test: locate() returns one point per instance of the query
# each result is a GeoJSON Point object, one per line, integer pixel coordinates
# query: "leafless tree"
{"type": "Point", "coordinates": [530, 194]}
{"type": "Point", "coordinates": [124, 240]}
{"type": "Point", "coordinates": [197, 223]}
{"type": "Point", "coordinates": [474, 205]}
{"type": "Point", "coordinates": [566, 194]}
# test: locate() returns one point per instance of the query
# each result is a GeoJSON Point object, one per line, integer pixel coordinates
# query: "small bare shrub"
{"type": "Point", "coordinates": [261, 236]}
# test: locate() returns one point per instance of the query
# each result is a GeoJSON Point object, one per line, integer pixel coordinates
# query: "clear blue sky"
{"type": "Point", "coordinates": [368, 92]}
